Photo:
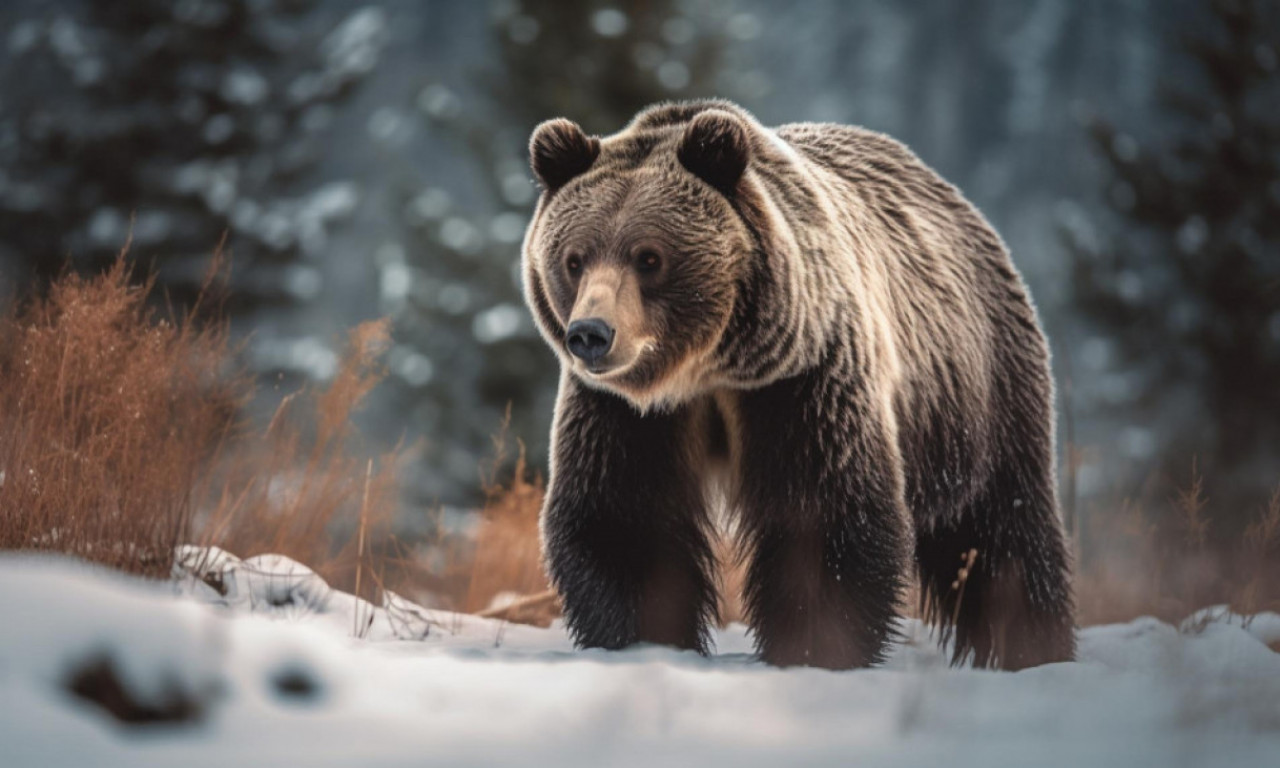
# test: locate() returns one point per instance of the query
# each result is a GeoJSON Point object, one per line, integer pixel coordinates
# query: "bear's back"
{"type": "Point", "coordinates": [954, 304]}
{"type": "Point", "coordinates": [890, 181]}
{"type": "Point", "coordinates": [942, 264]}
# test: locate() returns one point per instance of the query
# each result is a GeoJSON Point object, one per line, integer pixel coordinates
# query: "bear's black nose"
{"type": "Point", "coordinates": [590, 339]}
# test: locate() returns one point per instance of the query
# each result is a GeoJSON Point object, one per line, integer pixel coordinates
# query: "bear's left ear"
{"type": "Point", "coordinates": [559, 150]}
{"type": "Point", "coordinates": [715, 148]}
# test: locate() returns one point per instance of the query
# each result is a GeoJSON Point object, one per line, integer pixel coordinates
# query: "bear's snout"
{"type": "Point", "coordinates": [590, 339]}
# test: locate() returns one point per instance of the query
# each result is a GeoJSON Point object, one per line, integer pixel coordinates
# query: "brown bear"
{"type": "Point", "coordinates": [809, 327]}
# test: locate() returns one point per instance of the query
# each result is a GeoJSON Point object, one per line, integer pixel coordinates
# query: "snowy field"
{"type": "Point", "coordinates": [259, 663]}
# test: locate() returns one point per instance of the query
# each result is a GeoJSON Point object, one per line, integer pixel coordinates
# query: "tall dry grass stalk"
{"type": "Point", "coordinates": [301, 488]}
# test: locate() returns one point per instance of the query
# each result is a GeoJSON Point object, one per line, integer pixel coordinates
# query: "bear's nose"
{"type": "Point", "coordinates": [590, 339]}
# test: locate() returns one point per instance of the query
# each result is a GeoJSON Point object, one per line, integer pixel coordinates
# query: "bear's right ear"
{"type": "Point", "coordinates": [559, 151]}
{"type": "Point", "coordinates": [715, 148]}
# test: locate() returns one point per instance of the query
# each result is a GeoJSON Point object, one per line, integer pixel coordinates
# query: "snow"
{"type": "Point", "coordinates": [290, 672]}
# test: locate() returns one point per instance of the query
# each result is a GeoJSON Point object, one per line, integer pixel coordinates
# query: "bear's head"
{"type": "Point", "coordinates": [636, 256]}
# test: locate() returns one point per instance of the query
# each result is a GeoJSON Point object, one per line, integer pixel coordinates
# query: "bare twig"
{"type": "Point", "coordinates": [364, 516]}
{"type": "Point", "coordinates": [962, 576]}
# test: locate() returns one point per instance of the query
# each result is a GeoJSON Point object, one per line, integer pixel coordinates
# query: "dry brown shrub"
{"type": "Point", "coordinates": [121, 438]}
{"type": "Point", "coordinates": [107, 416]}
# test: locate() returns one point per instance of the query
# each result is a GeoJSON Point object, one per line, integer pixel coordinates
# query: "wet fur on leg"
{"type": "Point", "coordinates": [625, 533]}
{"type": "Point", "coordinates": [827, 544]}
{"type": "Point", "coordinates": [1014, 608]}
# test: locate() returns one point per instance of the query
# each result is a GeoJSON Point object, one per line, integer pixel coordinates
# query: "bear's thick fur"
{"type": "Point", "coordinates": [807, 326]}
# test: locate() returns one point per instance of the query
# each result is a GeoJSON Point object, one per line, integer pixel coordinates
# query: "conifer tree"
{"type": "Point", "coordinates": [1190, 294]}
{"type": "Point", "coordinates": [176, 121]}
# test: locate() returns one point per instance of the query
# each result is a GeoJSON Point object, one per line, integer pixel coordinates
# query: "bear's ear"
{"type": "Point", "coordinates": [559, 151]}
{"type": "Point", "coordinates": [715, 148]}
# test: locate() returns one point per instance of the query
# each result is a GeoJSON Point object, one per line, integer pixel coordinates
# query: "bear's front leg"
{"type": "Point", "coordinates": [624, 524]}
{"type": "Point", "coordinates": [820, 492]}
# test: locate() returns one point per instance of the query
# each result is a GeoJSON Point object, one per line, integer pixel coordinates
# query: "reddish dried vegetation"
{"type": "Point", "coordinates": [507, 557]}
{"type": "Point", "coordinates": [1169, 565]}
{"type": "Point", "coordinates": [108, 416]}
{"type": "Point", "coordinates": [121, 438]}
{"type": "Point", "coordinates": [298, 488]}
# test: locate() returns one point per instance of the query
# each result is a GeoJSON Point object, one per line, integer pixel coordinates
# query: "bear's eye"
{"type": "Point", "coordinates": [573, 264]}
{"type": "Point", "coordinates": [648, 262]}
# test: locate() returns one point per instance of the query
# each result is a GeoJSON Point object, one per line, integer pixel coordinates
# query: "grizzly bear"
{"type": "Point", "coordinates": [808, 328]}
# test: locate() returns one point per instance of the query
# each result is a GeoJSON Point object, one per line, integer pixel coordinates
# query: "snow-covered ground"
{"type": "Point", "coordinates": [264, 665]}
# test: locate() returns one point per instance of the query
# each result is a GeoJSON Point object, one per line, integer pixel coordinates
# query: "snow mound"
{"type": "Point", "coordinates": [272, 667]}
{"type": "Point", "coordinates": [278, 585]}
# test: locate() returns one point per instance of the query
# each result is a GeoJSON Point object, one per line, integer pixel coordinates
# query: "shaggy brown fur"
{"type": "Point", "coordinates": [811, 322]}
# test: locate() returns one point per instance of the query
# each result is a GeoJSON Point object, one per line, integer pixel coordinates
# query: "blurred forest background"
{"type": "Point", "coordinates": [367, 159]}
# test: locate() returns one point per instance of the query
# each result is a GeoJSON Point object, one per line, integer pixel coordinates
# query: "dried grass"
{"type": "Point", "coordinates": [121, 437]}
{"type": "Point", "coordinates": [507, 560]}
{"type": "Point", "coordinates": [1170, 564]}
{"type": "Point", "coordinates": [301, 486]}
{"type": "Point", "coordinates": [108, 415]}
{"type": "Point", "coordinates": [1260, 563]}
